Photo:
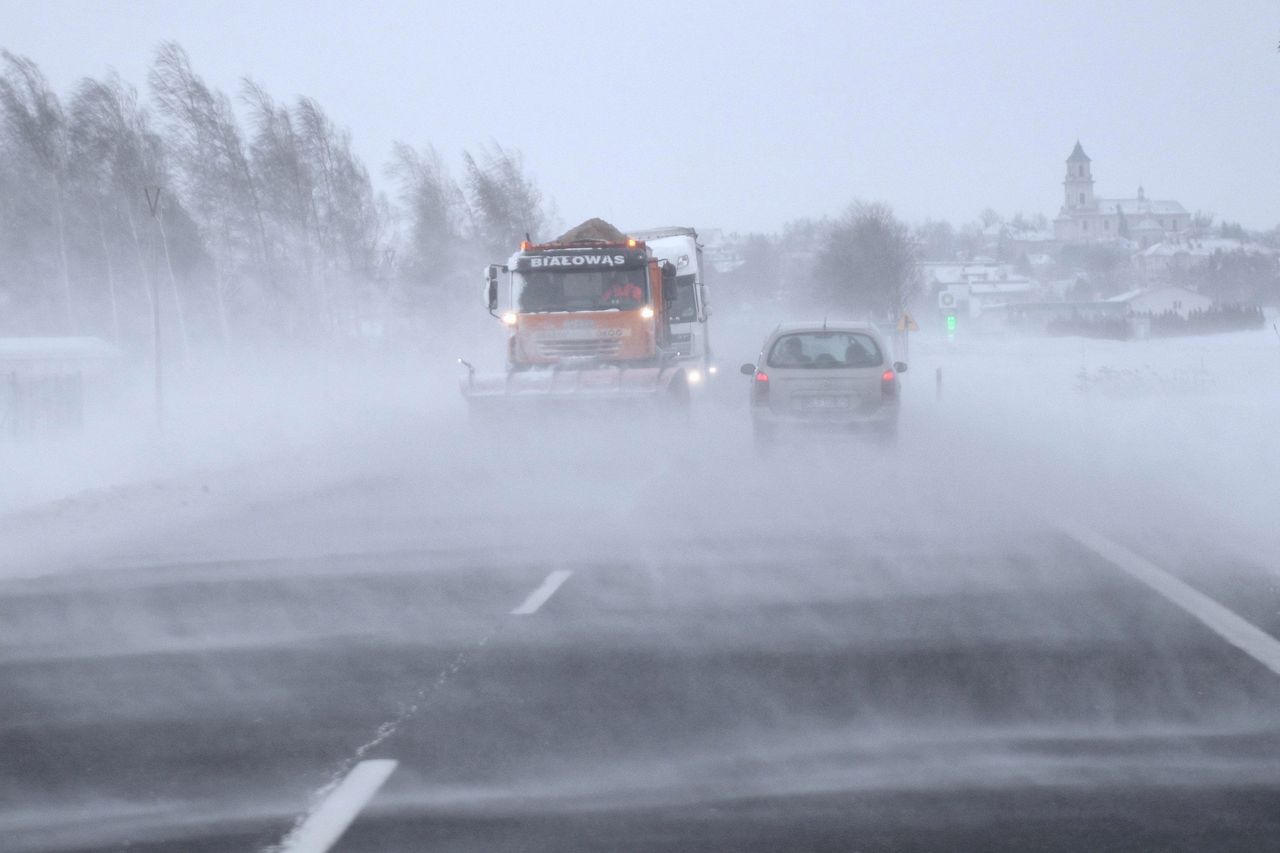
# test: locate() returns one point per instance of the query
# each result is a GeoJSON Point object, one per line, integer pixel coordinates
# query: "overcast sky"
{"type": "Point", "coordinates": [744, 115]}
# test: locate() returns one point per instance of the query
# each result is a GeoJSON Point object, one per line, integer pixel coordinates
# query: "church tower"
{"type": "Point", "coordinates": [1078, 186]}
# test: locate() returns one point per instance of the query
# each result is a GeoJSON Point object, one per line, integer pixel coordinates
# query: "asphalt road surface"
{"type": "Point", "coordinates": [560, 664]}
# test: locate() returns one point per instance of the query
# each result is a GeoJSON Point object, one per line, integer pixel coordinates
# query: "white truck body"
{"type": "Point", "coordinates": [689, 312]}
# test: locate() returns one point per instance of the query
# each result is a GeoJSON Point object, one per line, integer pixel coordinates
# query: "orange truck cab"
{"type": "Point", "coordinates": [584, 303]}
{"type": "Point", "coordinates": [588, 318]}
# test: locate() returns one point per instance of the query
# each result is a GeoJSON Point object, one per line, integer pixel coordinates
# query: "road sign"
{"type": "Point", "coordinates": [906, 323]}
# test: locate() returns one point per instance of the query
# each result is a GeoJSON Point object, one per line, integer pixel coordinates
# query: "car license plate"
{"type": "Point", "coordinates": [823, 403]}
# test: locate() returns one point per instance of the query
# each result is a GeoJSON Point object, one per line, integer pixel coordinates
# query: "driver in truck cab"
{"type": "Point", "coordinates": [622, 294]}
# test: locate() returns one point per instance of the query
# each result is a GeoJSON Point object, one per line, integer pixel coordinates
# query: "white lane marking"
{"type": "Point", "coordinates": [539, 596]}
{"type": "Point", "coordinates": [1242, 634]}
{"type": "Point", "coordinates": [334, 814]}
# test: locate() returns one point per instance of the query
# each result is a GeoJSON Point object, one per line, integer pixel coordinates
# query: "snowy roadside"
{"type": "Point", "coordinates": [1174, 438]}
{"type": "Point", "coordinates": [231, 438]}
{"type": "Point", "coordinates": [1176, 434]}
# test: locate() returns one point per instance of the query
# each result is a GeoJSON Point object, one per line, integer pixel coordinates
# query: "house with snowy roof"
{"type": "Point", "coordinates": [1160, 300]}
{"type": "Point", "coordinates": [1162, 261]}
{"type": "Point", "coordinates": [1086, 218]}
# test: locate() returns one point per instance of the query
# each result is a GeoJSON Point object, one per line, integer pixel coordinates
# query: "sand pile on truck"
{"type": "Point", "coordinates": [592, 229]}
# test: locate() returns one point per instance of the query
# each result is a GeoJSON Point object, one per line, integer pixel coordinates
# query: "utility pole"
{"type": "Point", "coordinates": [153, 202]}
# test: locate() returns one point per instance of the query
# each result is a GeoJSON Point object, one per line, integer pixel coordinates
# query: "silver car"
{"type": "Point", "coordinates": [824, 376]}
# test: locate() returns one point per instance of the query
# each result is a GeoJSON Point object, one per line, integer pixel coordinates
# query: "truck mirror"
{"type": "Point", "coordinates": [668, 282]}
{"type": "Point", "coordinates": [491, 286]}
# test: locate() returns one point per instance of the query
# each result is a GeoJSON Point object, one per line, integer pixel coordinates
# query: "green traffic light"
{"type": "Point", "coordinates": [951, 322]}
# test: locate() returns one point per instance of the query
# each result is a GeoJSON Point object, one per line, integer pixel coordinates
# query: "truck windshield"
{"type": "Point", "coordinates": [684, 309]}
{"type": "Point", "coordinates": [543, 291]}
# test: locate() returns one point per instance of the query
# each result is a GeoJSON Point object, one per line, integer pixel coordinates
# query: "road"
{"type": "Point", "coordinates": [559, 655]}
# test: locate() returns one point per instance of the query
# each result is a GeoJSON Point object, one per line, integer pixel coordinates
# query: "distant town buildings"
{"type": "Point", "coordinates": [720, 252]}
{"type": "Point", "coordinates": [1086, 218]}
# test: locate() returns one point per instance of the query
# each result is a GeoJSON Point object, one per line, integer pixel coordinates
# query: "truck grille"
{"type": "Point", "coordinates": [583, 347]}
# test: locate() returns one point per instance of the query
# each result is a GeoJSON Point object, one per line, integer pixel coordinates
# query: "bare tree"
{"type": "Point", "coordinates": [937, 240]}
{"type": "Point", "coordinates": [868, 263]}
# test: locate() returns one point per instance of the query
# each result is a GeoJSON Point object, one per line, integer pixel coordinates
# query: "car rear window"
{"type": "Point", "coordinates": [819, 350]}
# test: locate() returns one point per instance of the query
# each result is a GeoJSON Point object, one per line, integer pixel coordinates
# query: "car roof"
{"type": "Point", "coordinates": [825, 326]}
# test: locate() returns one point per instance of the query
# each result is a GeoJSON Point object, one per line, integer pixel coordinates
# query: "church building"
{"type": "Point", "coordinates": [1085, 218]}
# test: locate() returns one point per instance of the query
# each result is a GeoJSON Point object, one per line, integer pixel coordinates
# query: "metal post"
{"type": "Point", "coordinates": [938, 382]}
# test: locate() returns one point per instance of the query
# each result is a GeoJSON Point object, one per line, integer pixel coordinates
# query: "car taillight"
{"type": "Point", "coordinates": [889, 384]}
{"type": "Point", "coordinates": [760, 386]}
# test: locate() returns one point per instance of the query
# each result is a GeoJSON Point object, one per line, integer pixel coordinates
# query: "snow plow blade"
{"type": "Point", "coordinates": [568, 388]}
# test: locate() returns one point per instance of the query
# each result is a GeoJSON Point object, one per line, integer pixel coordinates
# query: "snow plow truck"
{"type": "Point", "coordinates": [587, 320]}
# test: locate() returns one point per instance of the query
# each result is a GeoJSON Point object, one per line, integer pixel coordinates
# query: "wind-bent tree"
{"type": "Point", "coordinates": [504, 203]}
{"type": "Point", "coordinates": [287, 188]}
{"type": "Point", "coordinates": [214, 174]}
{"type": "Point", "coordinates": [116, 155]}
{"type": "Point", "coordinates": [35, 129]}
{"type": "Point", "coordinates": [350, 219]}
{"type": "Point", "coordinates": [277, 226]}
{"type": "Point", "coordinates": [437, 213]}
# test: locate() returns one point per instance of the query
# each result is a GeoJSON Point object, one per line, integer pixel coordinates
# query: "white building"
{"type": "Point", "coordinates": [722, 254]}
{"type": "Point", "coordinates": [1160, 261]}
{"type": "Point", "coordinates": [1159, 300]}
{"type": "Point", "coordinates": [1086, 218]}
{"type": "Point", "coordinates": [941, 274]}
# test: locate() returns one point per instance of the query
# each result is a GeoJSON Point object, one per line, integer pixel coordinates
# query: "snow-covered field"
{"type": "Point", "coordinates": [1177, 435]}
{"type": "Point", "coordinates": [1173, 438]}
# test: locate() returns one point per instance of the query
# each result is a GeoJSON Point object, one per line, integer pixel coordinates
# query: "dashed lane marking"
{"type": "Point", "coordinates": [386, 730]}
{"type": "Point", "coordinates": [328, 820]}
{"type": "Point", "coordinates": [1237, 631]}
{"type": "Point", "coordinates": [345, 795]}
{"type": "Point", "coordinates": [539, 596]}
